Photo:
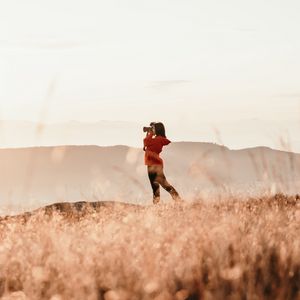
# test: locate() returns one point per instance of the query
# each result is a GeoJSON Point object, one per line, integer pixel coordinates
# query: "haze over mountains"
{"type": "Point", "coordinates": [32, 177]}
{"type": "Point", "coordinates": [28, 134]}
{"type": "Point", "coordinates": [234, 134]}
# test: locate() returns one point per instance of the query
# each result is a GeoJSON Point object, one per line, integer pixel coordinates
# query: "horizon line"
{"type": "Point", "coordinates": [123, 145]}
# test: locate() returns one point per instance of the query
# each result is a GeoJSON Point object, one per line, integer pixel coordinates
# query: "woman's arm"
{"type": "Point", "coordinates": [148, 140]}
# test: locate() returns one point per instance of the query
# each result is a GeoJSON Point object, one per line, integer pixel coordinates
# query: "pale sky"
{"type": "Point", "coordinates": [178, 61]}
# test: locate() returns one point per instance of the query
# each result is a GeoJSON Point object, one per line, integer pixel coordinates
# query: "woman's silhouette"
{"type": "Point", "coordinates": [153, 143]}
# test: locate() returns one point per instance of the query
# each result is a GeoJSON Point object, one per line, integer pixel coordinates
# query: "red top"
{"type": "Point", "coordinates": [153, 146]}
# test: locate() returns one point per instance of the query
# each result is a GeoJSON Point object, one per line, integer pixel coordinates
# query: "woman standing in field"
{"type": "Point", "coordinates": [153, 143]}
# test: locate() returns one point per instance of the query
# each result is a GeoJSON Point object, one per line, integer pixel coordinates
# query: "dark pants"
{"type": "Point", "coordinates": [157, 177]}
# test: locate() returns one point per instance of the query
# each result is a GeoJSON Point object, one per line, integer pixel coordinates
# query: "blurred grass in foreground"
{"type": "Point", "coordinates": [229, 249]}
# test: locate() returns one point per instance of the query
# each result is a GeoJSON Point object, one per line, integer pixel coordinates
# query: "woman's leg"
{"type": "Point", "coordinates": [161, 179]}
{"type": "Point", "coordinates": [152, 174]}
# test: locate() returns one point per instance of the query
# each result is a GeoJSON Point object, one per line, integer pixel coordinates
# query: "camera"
{"type": "Point", "coordinates": [149, 129]}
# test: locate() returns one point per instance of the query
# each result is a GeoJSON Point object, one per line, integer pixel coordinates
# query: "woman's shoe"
{"type": "Point", "coordinates": [156, 200]}
{"type": "Point", "coordinates": [178, 200]}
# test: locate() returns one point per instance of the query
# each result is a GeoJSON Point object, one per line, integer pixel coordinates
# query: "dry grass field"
{"type": "Point", "coordinates": [229, 249]}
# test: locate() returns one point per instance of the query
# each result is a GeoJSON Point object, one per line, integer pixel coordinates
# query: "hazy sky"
{"type": "Point", "coordinates": [179, 61]}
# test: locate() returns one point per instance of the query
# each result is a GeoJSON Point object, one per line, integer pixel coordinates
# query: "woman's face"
{"type": "Point", "coordinates": [153, 129]}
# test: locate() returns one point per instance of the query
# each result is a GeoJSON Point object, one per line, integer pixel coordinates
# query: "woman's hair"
{"type": "Point", "coordinates": [160, 129]}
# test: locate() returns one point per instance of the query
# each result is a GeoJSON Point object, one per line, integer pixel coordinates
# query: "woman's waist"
{"type": "Point", "coordinates": [152, 157]}
{"type": "Point", "coordinates": [152, 152]}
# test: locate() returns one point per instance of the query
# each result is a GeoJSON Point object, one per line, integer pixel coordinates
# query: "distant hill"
{"type": "Point", "coordinates": [237, 134]}
{"type": "Point", "coordinates": [32, 177]}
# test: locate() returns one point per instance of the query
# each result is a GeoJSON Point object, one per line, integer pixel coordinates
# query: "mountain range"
{"type": "Point", "coordinates": [34, 176]}
{"type": "Point", "coordinates": [244, 133]}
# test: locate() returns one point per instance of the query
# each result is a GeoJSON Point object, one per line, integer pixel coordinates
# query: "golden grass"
{"type": "Point", "coordinates": [230, 249]}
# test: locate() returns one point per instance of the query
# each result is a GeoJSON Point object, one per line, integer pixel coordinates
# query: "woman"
{"type": "Point", "coordinates": [153, 144]}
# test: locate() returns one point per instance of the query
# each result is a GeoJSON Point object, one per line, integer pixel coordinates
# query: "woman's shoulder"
{"type": "Point", "coordinates": [163, 139]}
